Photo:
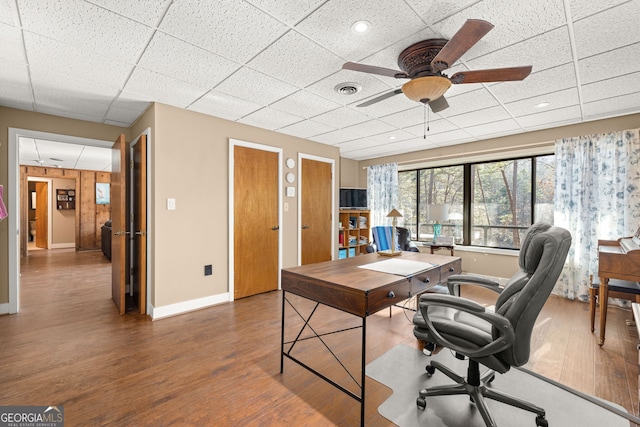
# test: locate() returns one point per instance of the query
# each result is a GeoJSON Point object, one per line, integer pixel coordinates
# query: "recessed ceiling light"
{"type": "Point", "coordinates": [361, 26]}
{"type": "Point", "coordinates": [542, 105]}
{"type": "Point", "coordinates": [392, 137]}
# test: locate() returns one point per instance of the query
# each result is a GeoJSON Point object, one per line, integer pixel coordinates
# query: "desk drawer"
{"type": "Point", "coordinates": [422, 282]}
{"type": "Point", "coordinates": [387, 296]}
{"type": "Point", "coordinates": [453, 268]}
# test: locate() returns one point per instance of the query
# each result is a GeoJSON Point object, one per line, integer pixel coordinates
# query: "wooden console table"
{"type": "Point", "coordinates": [343, 285]}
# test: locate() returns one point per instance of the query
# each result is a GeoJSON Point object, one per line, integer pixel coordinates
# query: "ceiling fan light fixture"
{"type": "Point", "coordinates": [428, 87]}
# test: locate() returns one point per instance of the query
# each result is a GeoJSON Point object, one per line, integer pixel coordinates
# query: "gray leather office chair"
{"type": "Point", "coordinates": [500, 339]}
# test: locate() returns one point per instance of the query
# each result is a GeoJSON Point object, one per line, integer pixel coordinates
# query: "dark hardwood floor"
{"type": "Point", "coordinates": [221, 366]}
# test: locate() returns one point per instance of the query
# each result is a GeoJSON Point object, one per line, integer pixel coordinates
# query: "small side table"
{"type": "Point", "coordinates": [437, 246]}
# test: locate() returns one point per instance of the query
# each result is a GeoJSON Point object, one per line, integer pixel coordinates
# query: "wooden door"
{"type": "Point", "coordinates": [42, 215]}
{"type": "Point", "coordinates": [316, 215]}
{"type": "Point", "coordinates": [256, 221]}
{"type": "Point", "coordinates": [139, 281]}
{"type": "Point", "coordinates": [119, 233]}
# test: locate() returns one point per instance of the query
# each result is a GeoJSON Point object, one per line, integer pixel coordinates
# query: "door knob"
{"type": "Point", "coordinates": [275, 227]}
{"type": "Point", "coordinates": [304, 227]}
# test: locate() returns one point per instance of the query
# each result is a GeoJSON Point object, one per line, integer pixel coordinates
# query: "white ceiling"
{"type": "Point", "coordinates": [274, 64]}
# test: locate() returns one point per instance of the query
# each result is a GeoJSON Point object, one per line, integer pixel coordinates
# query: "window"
{"type": "Point", "coordinates": [504, 198]}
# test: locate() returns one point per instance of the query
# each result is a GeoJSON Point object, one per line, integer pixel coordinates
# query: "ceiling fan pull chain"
{"type": "Point", "coordinates": [426, 120]}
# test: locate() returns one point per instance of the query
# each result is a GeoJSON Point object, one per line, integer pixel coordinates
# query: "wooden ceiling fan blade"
{"type": "Point", "coordinates": [372, 69]}
{"type": "Point", "coordinates": [468, 35]}
{"type": "Point", "coordinates": [492, 75]}
{"type": "Point", "coordinates": [439, 104]}
{"type": "Point", "coordinates": [380, 98]}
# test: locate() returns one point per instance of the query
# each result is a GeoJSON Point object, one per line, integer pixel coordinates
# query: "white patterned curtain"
{"type": "Point", "coordinates": [382, 191]}
{"type": "Point", "coordinates": [597, 196]}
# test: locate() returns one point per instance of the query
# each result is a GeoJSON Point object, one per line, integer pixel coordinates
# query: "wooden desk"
{"type": "Point", "coordinates": [342, 285]}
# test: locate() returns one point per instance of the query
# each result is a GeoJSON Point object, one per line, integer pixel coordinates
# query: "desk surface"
{"type": "Point", "coordinates": [343, 285]}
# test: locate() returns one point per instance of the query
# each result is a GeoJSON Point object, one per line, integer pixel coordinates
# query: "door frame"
{"type": "Point", "coordinates": [332, 162]}
{"type": "Point", "coordinates": [13, 198]}
{"type": "Point", "coordinates": [49, 182]}
{"type": "Point", "coordinates": [232, 144]}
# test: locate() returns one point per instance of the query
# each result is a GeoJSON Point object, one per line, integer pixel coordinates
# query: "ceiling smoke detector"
{"type": "Point", "coordinates": [348, 88]}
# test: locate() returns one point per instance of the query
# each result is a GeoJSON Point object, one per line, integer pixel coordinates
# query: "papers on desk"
{"type": "Point", "coordinates": [400, 267]}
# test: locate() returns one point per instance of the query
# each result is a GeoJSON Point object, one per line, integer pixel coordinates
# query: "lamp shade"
{"type": "Point", "coordinates": [438, 212]}
{"type": "Point", "coordinates": [394, 214]}
{"type": "Point", "coordinates": [427, 88]}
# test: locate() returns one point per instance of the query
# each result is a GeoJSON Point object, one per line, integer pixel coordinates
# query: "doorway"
{"type": "Point", "coordinates": [16, 231]}
{"type": "Point", "coordinates": [38, 197]}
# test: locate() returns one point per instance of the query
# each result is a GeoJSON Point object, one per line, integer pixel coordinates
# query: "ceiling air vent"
{"type": "Point", "coordinates": [347, 88]}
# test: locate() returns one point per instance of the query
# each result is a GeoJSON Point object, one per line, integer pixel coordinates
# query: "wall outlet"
{"type": "Point", "coordinates": [208, 270]}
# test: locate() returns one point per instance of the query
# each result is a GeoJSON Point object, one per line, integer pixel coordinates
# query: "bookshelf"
{"type": "Point", "coordinates": [354, 233]}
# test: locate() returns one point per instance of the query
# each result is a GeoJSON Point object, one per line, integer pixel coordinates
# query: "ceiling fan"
{"type": "Point", "coordinates": [423, 63]}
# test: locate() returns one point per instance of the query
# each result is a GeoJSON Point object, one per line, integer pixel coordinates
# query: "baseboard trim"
{"type": "Point", "coordinates": [187, 306]}
{"type": "Point", "coordinates": [62, 245]}
{"type": "Point", "coordinates": [4, 308]}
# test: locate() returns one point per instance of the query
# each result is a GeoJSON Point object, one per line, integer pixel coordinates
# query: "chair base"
{"type": "Point", "coordinates": [476, 387]}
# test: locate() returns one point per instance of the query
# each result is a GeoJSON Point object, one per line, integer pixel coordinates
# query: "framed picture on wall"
{"type": "Point", "coordinates": [102, 193]}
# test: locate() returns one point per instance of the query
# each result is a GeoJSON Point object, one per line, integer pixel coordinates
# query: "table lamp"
{"type": "Point", "coordinates": [437, 213]}
{"type": "Point", "coordinates": [394, 215]}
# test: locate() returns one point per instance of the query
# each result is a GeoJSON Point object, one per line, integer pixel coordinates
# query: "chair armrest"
{"type": "Point", "coordinates": [454, 282]}
{"type": "Point", "coordinates": [412, 247]}
{"type": "Point", "coordinates": [501, 323]}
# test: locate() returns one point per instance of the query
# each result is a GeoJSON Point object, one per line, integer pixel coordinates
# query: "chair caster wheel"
{"type": "Point", "coordinates": [430, 369]}
{"type": "Point", "coordinates": [422, 403]}
{"type": "Point", "coordinates": [541, 421]}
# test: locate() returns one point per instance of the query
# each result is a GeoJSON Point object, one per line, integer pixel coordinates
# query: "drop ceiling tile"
{"type": "Point", "coordinates": [411, 117]}
{"type": "Point", "coordinates": [494, 129]}
{"type": "Point", "coordinates": [184, 61]}
{"type": "Point", "coordinates": [57, 151]}
{"type": "Point", "coordinates": [560, 117]}
{"type": "Point", "coordinates": [19, 97]}
{"type": "Point", "coordinates": [14, 73]}
{"type": "Point", "coordinates": [534, 51]}
{"type": "Point", "coordinates": [583, 8]}
{"type": "Point", "coordinates": [268, 118]}
{"type": "Point", "coordinates": [255, 86]}
{"type": "Point", "coordinates": [303, 103]}
{"type": "Point", "coordinates": [222, 105]}
{"type": "Point", "coordinates": [44, 79]}
{"type": "Point", "coordinates": [458, 136]}
{"type": "Point", "coordinates": [434, 127]}
{"type": "Point", "coordinates": [288, 12]}
{"type": "Point", "coordinates": [359, 144]}
{"type": "Point", "coordinates": [474, 118]}
{"type": "Point", "coordinates": [372, 127]}
{"type": "Point", "coordinates": [82, 25]}
{"type": "Point", "coordinates": [11, 48]}
{"type": "Point", "coordinates": [94, 158]}
{"type": "Point", "coordinates": [8, 13]}
{"type": "Point", "coordinates": [620, 105]}
{"type": "Point", "coordinates": [560, 99]}
{"type": "Point", "coordinates": [602, 32]}
{"type": "Point", "coordinates": [617, 86]}
{"type": "Point", "coordinates": [48, 101]}
{"type": "Point", "coordinates": [297, 60]}
{"type": "Point", "coordinates": [123, 115]}
{"type": "Point", "coordinates": [391, 137]}
{"type": "Point", "coordinates": [237, 31]}
{"type": "Point", "coordinates": [370, 85]}
{"type": "Point", "coordinates": [336, 136]}
{"type": "Point", "coordinates": [306, 129]}
{"type": "Point", "coordinates": [432, 12]}
{"type": "Point", "coordinates": [147, 12]}
{"type": "Point", "coordinates": [531, 19]}
{"type": "Point", "coordinates": [620, 61]}
{"type": "Point", "coordinates": [540, 83]}
{"type": "Point", "coordinates": [342, 117]}
{"type": "Point", "coordinates": [65, 59]}
{"type": "Point", "coordinates": [330, 26]}
{"type": "Point", "coordinates": [158, 87]}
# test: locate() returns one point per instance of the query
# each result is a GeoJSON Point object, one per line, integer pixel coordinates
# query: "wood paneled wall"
{"type": "Point", "coordinates": [89, 216]}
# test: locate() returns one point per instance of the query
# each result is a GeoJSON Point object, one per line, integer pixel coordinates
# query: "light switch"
{"type": "Point", "coordinates": [171, 204]}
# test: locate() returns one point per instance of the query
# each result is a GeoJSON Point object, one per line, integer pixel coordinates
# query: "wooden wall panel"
{"type": "Point", "coordinates": [89, 216]}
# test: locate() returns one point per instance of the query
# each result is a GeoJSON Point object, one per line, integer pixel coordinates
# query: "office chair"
{"type": "Point", "coordinates": [500, 339]}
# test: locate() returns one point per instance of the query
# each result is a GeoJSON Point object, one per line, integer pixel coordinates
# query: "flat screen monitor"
{"type": "Point", "coordinates": [353, 198]}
